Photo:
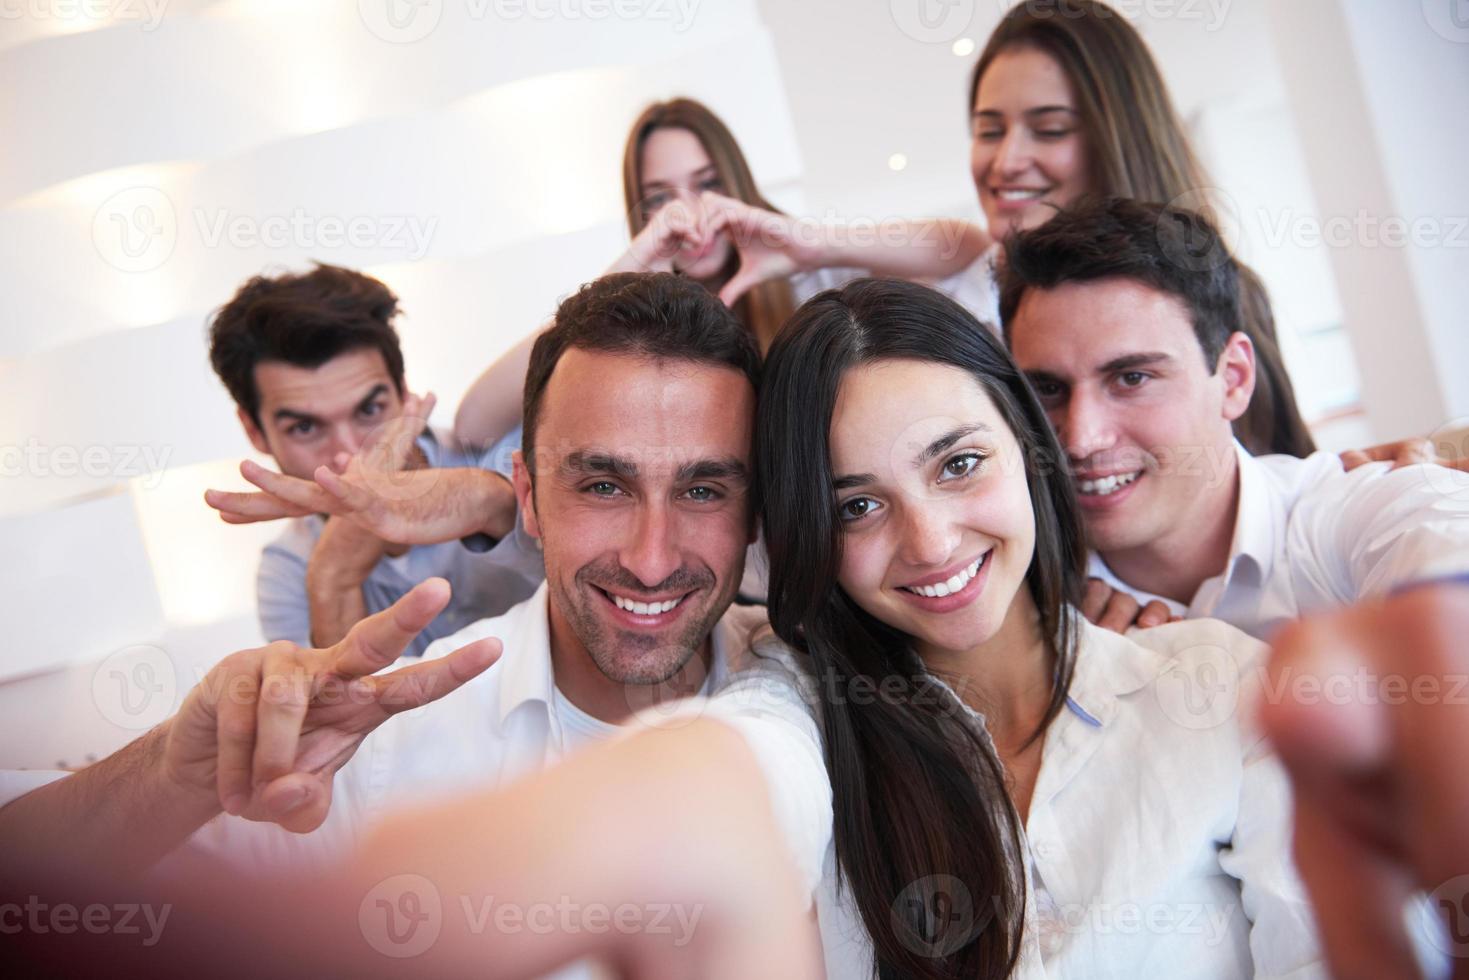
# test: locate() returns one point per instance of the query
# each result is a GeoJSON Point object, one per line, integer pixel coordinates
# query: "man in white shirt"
{"type": "Point", "coordinates": [636, 483]}
{"type": "Point", "coordinates": [1124, 316]}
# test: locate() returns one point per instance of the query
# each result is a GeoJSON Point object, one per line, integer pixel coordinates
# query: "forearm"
{"type": "Point", "coordinates": [121, 815]}
{"type": "Point", "coordinates": [683, 822]}
{"type": "Point", "coordinates": [916, 249]}
{"type": "Point", "coordinates": [333, 595]}
{"type": "Point", "coordinates": [491, 406]}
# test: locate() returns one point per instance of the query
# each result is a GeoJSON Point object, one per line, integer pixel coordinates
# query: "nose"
{"type": "Point", "coordinates": [1013, 155]}
{"type": "Point", "coordinates": [929, 536]}
{"type": "Point", "coordinates": [1084, 426]}
{"type": "Point", "coordinates": [651, 552]}
{"type": "Point", "coordinates": [346, 438]}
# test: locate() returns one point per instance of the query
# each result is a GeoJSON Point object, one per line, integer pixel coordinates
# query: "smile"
{"type": "Point", "coordinates": [1020, 194]}
{"type": "Point", "coordinates": [643, 613]}
{"type": "Point", "coordinates": [954, 583]}
{"type": "Point", "coordinates": [1105, 486]}
{"type": "Point", "coordinates": [644, 608]}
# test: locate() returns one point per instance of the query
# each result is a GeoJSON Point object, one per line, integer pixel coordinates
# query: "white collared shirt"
{"type": "Point", "coordinates": [1310, 537]}
{"type": "Point", "coordinates": [1158, 838]}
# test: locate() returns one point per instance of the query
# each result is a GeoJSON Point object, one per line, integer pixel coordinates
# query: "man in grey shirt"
{"type": "Point", "coordinates": [377, 501]}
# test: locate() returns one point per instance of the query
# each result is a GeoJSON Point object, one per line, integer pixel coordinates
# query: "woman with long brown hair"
{"type": "Point", "coordinates": [693, 207]}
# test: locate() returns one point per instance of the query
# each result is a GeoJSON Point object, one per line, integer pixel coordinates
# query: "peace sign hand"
{"type": "Point", "coordinates": [267, 729]}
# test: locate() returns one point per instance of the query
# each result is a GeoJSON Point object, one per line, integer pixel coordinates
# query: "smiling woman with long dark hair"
{"type": "Point", "coordinates": [925, 542]}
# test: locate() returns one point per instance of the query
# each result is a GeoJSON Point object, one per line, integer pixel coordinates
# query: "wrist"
{"type": "Point", "coordinates": [172, 791]}
{"type": "Point", "coordinates": [496, 502]}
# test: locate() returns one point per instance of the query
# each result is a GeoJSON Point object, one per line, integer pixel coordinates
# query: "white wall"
{"type": "Point", "coordinates": [473, 145]}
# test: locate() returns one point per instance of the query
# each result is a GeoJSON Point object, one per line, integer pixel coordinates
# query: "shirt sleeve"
{"type": "Point", "coordinates": [499, 458]}
{"type": "Point", "coordinates": [280, 596]}
{"type": "Point", "coordinates": [1284, 942]}
{"type": "Point", "coordinates": [1376, 529]}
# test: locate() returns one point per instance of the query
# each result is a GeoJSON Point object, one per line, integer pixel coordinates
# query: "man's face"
{"type": "Point", "coordinates": [309, 415]}
{"type": "Point", "coordinates": [641, 502]}
{"type": "Point", "coordinates": [1145, 423]}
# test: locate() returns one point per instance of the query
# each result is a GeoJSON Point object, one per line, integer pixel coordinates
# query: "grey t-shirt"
{"type": "Point", "coordinates": [484, 583]}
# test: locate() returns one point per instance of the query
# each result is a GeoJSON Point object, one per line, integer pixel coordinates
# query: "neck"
{"type": "Point", "coordinates": [583, 683]}
{"type": "Point", "coordinates": [1174, 565]}
{"type": "Point", "coordinates": [1008, 678]}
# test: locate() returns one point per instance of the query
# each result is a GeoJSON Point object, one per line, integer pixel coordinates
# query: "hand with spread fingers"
{"type": "Point", "coordinates": [1115, 610]}
{"type": "Point", "coordinates": [381, 491]}
{"type": "Point", "coordinates": [675, 234]}
{"type": "Point", "coordinates": [770, 244]}
{"type": "Point", "coordinates": [268, 728]}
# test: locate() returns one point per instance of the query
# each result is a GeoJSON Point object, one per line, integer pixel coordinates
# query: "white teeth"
{"type": "Point", "coordinates": [1019, 195]}
{"type": "Point", "coordinates": [949, 587]}
{"type": "Point", "coordinates": [645, 608]}
{"type": "Point", "coordinates": [1107, 484]}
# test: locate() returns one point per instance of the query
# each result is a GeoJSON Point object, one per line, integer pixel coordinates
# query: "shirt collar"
{"type": "Point", "coordinates": [1108, 666]}
{"type": "Point", "coordinates": [526, 675]}
{"type": "Point", "coordinates": [1258, 520]}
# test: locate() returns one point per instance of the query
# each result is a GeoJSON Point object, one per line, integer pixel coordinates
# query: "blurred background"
{"type": "Point", "coordinates": [467, 152]}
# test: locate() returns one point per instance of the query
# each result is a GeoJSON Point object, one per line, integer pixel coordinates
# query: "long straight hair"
{"type": "Point", "coordinates": [919, 794]}
{"type": "Point", "coordinates": [764, 308]}
{"type": "Point", "coordinates": [1137, 148]}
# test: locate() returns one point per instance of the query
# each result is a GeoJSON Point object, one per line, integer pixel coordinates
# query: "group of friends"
{"type": "Point", "coordinates": [903, 606]}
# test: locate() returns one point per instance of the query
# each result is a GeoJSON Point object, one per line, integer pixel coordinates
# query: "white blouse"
{"type": "Point", "coordinates": [1158, 838]}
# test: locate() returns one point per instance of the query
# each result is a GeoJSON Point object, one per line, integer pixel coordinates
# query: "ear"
{"type": "Point", "coordinates": [1237, 367]}
{"type": "Point", "coordinates": [253, 433]}
{"type": "Point", "coordinates": [525, 496]}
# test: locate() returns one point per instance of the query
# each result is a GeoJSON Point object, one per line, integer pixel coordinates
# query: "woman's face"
{"type": "Point", "coordinates": [937, 525]}
{"type": "Point", "coordinates": [1028, 154]}
{"type": "Point", "coordinates": [676, 167]}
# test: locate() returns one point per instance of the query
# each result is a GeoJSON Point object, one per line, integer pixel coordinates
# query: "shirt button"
{"type": "Point", "coordinates": [1044, 850]}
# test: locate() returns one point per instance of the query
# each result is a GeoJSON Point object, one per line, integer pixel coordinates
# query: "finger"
{"type": "Point", "coordinates": [298, 801]}
{"type": "Point", "coordinates": [235, 731]}
{"type": "Point", "coordinates": [249, 507]}
{"type": "Point", "coordinates": [302, 493]}
{"type": "Point", "coordinates": [351, 498]}
{"type": "Point", "coordinates": [414, 686]}
{"type": "Point", "coordinates": [1121, 613]}
{"type": "Point", "coordinates": [1462, 465]}
{"type": "Point", "coordinates": [1094, 600]}
{"type": "Point", "coordinates": [285, 691]}
{"type": "Point", "coordinates": [1358, 895]}
{"type": "Point", "coordinates": [1353, 458]}
{"type": "Point", "coordinates": [378, 640]}
{"type": "Point", "coordinates": [739, 285]}
{"type": "Point", "coordinates": [1155, 613]}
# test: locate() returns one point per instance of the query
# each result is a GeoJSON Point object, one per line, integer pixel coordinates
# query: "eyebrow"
{"type": "Point", "coordinates": [583, 461]}
{"type": "Point", "coordinates": [291, 415]}
{"type": "Point", "coordinates": [1128, 362]}
{"type": "Point", "coordinates": [728, 468]}
{"type": "Point", "coordinates": [1037, 111]}
{"type": "Point", "coordinates": [707, 170]}
{"type": "Point", "coordinates": [937, 447]}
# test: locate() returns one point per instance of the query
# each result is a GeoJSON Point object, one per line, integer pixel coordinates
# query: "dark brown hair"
{"type": "Point", "coordinates": [1137, 147]}
{"type": "Point", "coordinates": [918, 792]}
{"type": "Point", "coordinates": [305, 319]}
{"type": "Point", "coordinates": [1168, 249]}
{"type": "Point", "coordinates": [767, 306]}
{"type": "Point", "coordinates": [658, 315]}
